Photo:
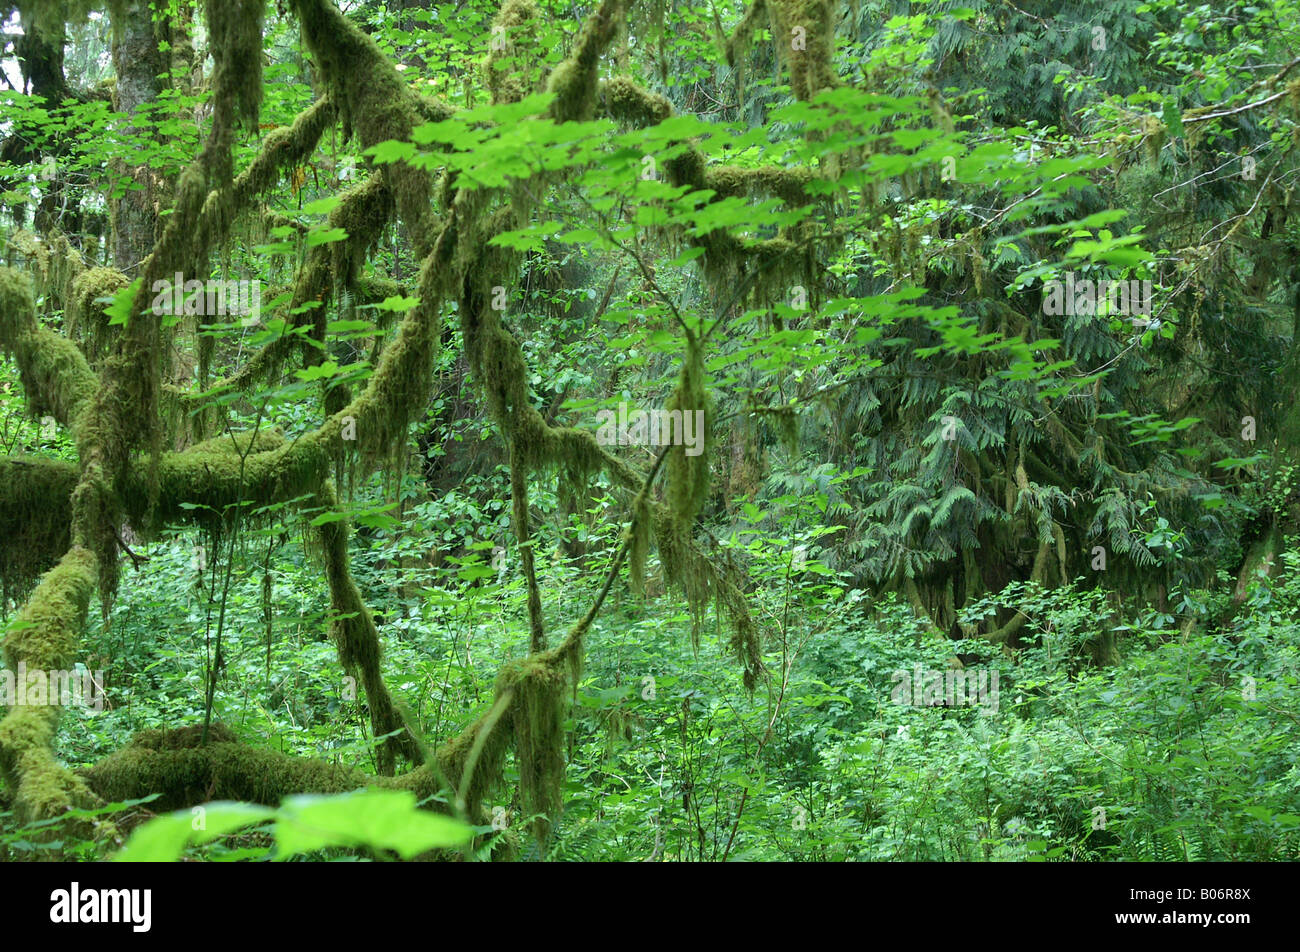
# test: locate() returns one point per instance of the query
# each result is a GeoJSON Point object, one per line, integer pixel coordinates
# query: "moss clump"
{"type": "Point", "coordinates": [186, 775]}
{"type": "Point", "coordinates": [789, 185]}
{"type": "Point", "coordinates": [182, 738]}
{"type": "Point", "coordinates": [574, 81]}
{"type": "Point", "coordinates": [56, 377]}
{"type": "Point", "coordinates": [222, 473]}
{"type": "Point", "coordinates": [627, 102]}
{"type": "Point", "coordinates": [86, 317]}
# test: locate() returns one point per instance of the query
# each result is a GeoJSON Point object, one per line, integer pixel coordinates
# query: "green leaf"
{"type": "Point", "coordinates": [1173, 117]}
{"type": "Point", "coordinates": [322, 206]}
{"type": "Point", "coordinates": [323, 236]}
{"type": "Point", "coordinates": [119, 312]}
{"type": "Point", "coordinates": [390, 151]}
{"type": "Point", "coordinates": [380, 819]}
{"type": "Point", "coordinates": [397, 303]}
{"type": "Point", "coordinates": [163, 839]}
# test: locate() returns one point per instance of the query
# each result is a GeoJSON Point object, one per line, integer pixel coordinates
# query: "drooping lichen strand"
{"type": "Point", "coordinates": [538, 684]}
{"type": "Point", "coordinates": [353, 629]}
{"type": "Point", "coordinates": [688, 475]}
{"type": "Point", "coordinates": [702, 580]}
{"type": "Point", "coordinates": [804, 34]}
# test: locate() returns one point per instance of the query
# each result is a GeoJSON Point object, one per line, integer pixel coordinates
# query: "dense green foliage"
{"type": "Point", "coordinates": [844, 248]}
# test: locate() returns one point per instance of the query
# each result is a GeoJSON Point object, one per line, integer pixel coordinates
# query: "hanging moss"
{"type": "Point", "coordinates": [491, 739]}
{"type": "Point", "coordinates": [737, 45]}
{"type": "Point", "coordinates": [17, 305]}
{"type": "Point", "coordinates": [284, 148]}
{"type": "Point", "coordinates": [523, 536]}
{"type": "Point", "coordinates": [65, 264]}
{"type": "Point", "coordinates": [810, 68]}
{"type": "Point", "coordinates": [235, 41]}
{"type": "Point", "coordinates": [688, 475]}
{"type": "Point", "coordinates": [353, 629]}
{"type": "Point", "coordinates": [33, 251]}
{"type": "Point", "coordinates": [374, 102]}
{"type": "Point", "coordinates": [638, 543]}
{"type": "Point", "coordinates": [35, 516]}
{"type": "Point", "coordinates": [539, 684]}
{"type": "Point", "coordinates": [704, 581]}
{"type": "Point", "coordinates": [530, 693]}
{"type": "Point", "coordinates": [398, 389]}
{"type": "Point", "coordinates": [363, 212]}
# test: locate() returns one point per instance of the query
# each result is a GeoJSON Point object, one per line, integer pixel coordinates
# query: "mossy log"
{"type": "Point", "coordinates": [185, 774]}
{"type": "Point", "coordinates": [45, 637]}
